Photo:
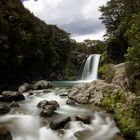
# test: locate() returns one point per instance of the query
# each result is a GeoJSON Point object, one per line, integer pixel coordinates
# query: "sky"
{"type": "Point", "coordinates": [80, 18]}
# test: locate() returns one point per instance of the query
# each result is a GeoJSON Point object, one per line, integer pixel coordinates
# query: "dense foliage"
{"type": "Point", "coordinates": [117, 17]}
{"type": "Point", "coordinates": [29, 48]}
{"type": "Point", "coordinates": [122, 21]}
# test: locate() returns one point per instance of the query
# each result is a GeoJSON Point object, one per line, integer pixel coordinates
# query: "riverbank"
{"type": "Point", "coordinates": [113, 96]}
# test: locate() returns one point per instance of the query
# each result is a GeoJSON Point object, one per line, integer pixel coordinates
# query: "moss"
{"type": "Point", "coordinates": [127, 125]}
{"type": "Point", "coordinates": [126, 115]}
{"type": "Point", "coordinates": [138, 135]}
{"type": "Point", "coordinates": [106, 72]}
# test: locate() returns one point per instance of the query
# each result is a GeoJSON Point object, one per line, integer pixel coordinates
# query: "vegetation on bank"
{"type": "Point", "coordinates": [121, 18]}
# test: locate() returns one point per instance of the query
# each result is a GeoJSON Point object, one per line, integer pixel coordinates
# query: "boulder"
{"type": "Point", "coordinates": [42, 84]}
{"type": "Point", "coordinates": [59, 123]}
{"type": "Point", "coordinates": [5, 134]}
{"type": "Point", "coordinates": [85, 118]}
{"type": "Point", "coordinates": [53, 102]}
{"type": "Point", "coordinates": [23, 88]}
{"type": "Point", "coordinates": [93, 92]}
{"type": "Point", "coordinates": [4, 109]}
{"type": "Point", "coordinates": [47, 113]}
{"type": "Point", "coordinates": [49, 107]}
{"type": "Point", "coordinates": [12, 96]}
{"type": "Point", "coordinates": [120, 76]}
{"type": "Point", "coordinates": [42, 103]}
{"type": "Point", "coordinates": [70, 102]}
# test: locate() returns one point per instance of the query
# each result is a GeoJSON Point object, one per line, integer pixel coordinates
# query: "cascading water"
{"type": "Point", "coordinates": [90, 70]}
{"type": "Point", "coordinates": [25, 122]}
{"type": "Point", "coordinates": [89, 74]}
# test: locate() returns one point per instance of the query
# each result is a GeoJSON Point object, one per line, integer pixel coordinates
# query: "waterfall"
{"type": "Point", "coordinates": [89, 74]}
{"type": "Point", "coordinates": [90, 70]}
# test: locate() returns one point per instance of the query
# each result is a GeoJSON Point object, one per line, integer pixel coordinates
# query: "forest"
{"type": "Point", "coordinates": [32, 50]}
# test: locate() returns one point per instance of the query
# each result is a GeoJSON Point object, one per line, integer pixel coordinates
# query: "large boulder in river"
{"type": "Point", "coordinates": [23, 88]}
{"type": "Point", "coordinates": [85, 118]}
{"type": "Point", "coordinates": [5, 134]}
{"type": "Point", "coordinates": [11, 96]}
{"type": "Point", "coordinates": [44, 103]}
{"type": "Point", "coordinates": [42, 84]}
{"type": "Point", "coordinates": [48, 107]}
{"type": "Point", "coordinates": [47, 112]}
{"type": "Point", "coordinates": [59, 123]}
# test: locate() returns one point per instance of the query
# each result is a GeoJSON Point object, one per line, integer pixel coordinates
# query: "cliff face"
{"type": "Point", "coordinates": [29, 48]}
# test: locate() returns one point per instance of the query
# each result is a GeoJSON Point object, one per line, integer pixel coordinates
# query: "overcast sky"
{"type": "Point", "coordinates": [80, 18]}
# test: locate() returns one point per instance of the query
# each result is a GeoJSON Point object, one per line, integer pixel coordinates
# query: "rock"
{"type": "Point", "coordinates": [59, 123]}
{"type": "Point", "coordinates": [93, 92]}
{"type": "Point", "coordinates": [48, 90]}
{"type": "Point", "coordinates": [12, 96]}
{"type": "Point", "coordinates": [14, 104]}
{"type": "Point", "coordinates": [4, 109]}
{"type": "Point", "coordinates": [63, 94]}
{"type": "Point", "coordinates": [120, 76]}
{"type": "Point", "coordinates": [5, 134]}
{"type": "Point", "coordinates": [30, 93]}
{"type": "Point", "coordinates": [42, 84]}
{"type": "Point", "coordinates": [23, 88]}
{"type": "Point", "coordinates": [47, 113]}
{"type": "Point", "coordinates": [49, 107]}
{"type": "Point", "coordinates": [85, 118]}
{"type": "Point", "coordinates": [53, 102]}
{"type": "Point", "coordinates": [42, 103]}
{"type": "Point", "coordinates": [70, 102]}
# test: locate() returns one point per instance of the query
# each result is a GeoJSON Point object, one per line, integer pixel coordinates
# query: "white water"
{"type": "Point", "coordinates": [89, 74]}
{"type": "Point", "coordinates": [25, 123]}
{"type": "Point", "coordinates": [90, 70]}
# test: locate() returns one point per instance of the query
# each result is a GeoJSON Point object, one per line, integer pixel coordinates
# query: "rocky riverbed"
{"type": "Point", "coordinates": [48, 113]}
{"type": "Point", "coordinates": [70, 113]}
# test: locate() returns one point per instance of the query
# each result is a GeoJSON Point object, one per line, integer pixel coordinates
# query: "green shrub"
{"type": "Point", "coordinates": [106, 72]}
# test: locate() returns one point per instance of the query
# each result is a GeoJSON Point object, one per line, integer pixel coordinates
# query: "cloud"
{"type": "Point", "coordinates": [78, 17]}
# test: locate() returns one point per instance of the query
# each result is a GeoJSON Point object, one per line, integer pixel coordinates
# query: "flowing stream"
{"type": "Point", "coordinates": [25, 122]}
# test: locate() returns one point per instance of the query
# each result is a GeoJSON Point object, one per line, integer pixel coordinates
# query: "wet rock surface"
{"type": "Point", "coordinates": [24, 88]}
{"type": "Point", "coordinates": [4, 109]}
{"type": "Point", "coordinates": [42, 84]}
{"type": "Point", "coordinates": [85, 118]}
{"type": "Point", "coordinates": [48, 107]}
{"type": "Point", "coordinates": [47, 113]}
{"type": "Point", "coordinates": [43, 103]}
{"type": "Point", "coordinates": [5, 134]}
{"type": "Point", "coordinates": [70, 102]}
{"type": "Point", "coordinates": [59, 123]}
{"type": "Point", "coordinates": [11, 96]}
